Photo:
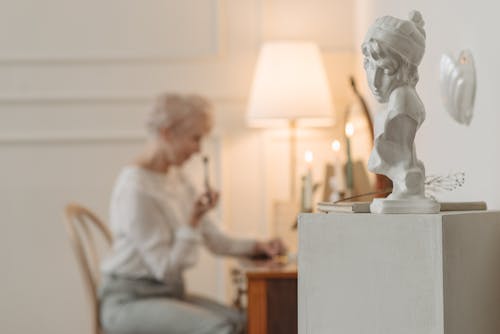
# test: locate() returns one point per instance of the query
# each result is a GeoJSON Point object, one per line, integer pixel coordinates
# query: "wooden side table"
{"type": "Point", "coordinates": [272, 300]}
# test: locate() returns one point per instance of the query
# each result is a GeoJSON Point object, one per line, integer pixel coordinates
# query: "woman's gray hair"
{"type": "Point", "coordinates": [179, 113]}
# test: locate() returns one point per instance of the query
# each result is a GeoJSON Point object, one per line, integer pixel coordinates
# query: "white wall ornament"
{"type": "Point", "coordinates": [458, 86]}
{"type": "Point", "coordinates": [392, 49]}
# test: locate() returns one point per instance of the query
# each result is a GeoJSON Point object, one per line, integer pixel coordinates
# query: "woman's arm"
{"type": "Point", "coordinates": [221, 244]}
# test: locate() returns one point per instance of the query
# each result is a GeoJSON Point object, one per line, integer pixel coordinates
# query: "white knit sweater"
{"type": "Point", "coordinates": [149, 217]}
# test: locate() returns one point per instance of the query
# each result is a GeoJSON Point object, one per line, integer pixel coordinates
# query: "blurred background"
{"type": "Point", "coordinates": [78, 77]}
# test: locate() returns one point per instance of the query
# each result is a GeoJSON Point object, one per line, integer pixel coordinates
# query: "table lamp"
{"type": "Point", "coordinates": [290, 89]}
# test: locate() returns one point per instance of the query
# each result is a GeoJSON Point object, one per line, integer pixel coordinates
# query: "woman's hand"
{"type": "Point", "coordinates": [270, 248]}
{"type": "Point", "coordinates": [203, 204]}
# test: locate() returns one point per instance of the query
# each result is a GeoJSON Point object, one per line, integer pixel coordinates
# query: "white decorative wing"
{"type": "Point", "coordinates": [458, 86]}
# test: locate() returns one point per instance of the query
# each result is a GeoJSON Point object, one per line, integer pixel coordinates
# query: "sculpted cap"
{"type": "Point", "coordinates": [405, 37]}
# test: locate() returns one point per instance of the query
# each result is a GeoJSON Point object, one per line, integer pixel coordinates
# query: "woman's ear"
{"type": "Point", "coordinates": [165, 133]}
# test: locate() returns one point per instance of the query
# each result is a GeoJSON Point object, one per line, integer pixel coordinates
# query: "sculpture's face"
{"type": "Point", "coordinates": [382, 77]}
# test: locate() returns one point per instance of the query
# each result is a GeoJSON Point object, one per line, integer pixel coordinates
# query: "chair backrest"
{"type": "Point", "coordinates": [81, 223]}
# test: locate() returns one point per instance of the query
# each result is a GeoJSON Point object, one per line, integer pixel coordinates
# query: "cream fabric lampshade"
{"type": "Point", "coordinates": [290, 84]}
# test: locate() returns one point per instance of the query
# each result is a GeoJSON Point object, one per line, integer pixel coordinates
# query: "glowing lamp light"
{"type": "Point", "coordinates": [308, 157]}
{"type": "Point", "coordinates": [336, 146]}
{"type": "Point", "coordinates": [349, 129]}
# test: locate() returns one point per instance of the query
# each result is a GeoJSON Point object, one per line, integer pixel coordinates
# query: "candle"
{"type": "Point", "coordinates": [336, 147]}
{"type": "Point", "coordinates": [337, 167]}
{"type": "Point", "coordinates": [308, 182]}
{"type": "Point", "coordinates": [349, 131]}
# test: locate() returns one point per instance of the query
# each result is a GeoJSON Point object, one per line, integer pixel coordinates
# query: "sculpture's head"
{"type": "Point", "coordinates": [392, 50]}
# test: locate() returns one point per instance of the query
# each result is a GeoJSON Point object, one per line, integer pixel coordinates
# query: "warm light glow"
{"type": "Point", "coordinates": [290, 83]}
{"type": "Point", "coordinates": [349, 129]}
{"type": "Point", "coordinates": [336, 145]}
{"type": "Point", "coordinates": [308, 156]}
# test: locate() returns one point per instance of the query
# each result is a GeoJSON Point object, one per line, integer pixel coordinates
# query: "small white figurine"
{"type": "Point", "coordinates": [393, 49]}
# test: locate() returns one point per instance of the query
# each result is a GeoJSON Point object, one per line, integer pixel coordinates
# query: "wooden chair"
{"type": "Point", "coordinates": [80, 224]}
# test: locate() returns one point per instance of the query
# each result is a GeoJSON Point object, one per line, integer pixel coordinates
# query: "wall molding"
{"type": "Point", "coordinates": [87, 137]}
{"type": "Point", "coordinates": [217, 51]}
{"type": "Point", "coordinates": [75, 98]}
{"type": "Point", "coordinates": [99, 98]}
{"type": "Point", "coordinates": [70, 138]}
{"type": "Point", "coordinates": [107, 60]}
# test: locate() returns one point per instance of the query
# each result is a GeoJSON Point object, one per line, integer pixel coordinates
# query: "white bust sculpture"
{"type": "Point", "coordinates": [393, 49]}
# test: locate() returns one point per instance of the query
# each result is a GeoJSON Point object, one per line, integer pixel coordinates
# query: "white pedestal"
{"type": "Point", "coordinates": [399, 274]}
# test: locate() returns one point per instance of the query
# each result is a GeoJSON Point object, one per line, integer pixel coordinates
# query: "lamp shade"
{"type": "Point", "coordinates": [290, 84]}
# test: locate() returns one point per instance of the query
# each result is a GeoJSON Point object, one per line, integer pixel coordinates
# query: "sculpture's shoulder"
{"type": "Point", "coordinates": [404, 95]}
{"type": "Point", "coordinates": [405, 100]}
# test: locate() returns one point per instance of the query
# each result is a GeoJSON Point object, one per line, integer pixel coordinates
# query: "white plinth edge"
{"type": "Point", "coordinates": [383, 205]}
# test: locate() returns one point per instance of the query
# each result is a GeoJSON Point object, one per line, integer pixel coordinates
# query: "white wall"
{"type": "Point", "coordinates": [76, 79]}
{"type": "Point", "coordinates": [442, 144]}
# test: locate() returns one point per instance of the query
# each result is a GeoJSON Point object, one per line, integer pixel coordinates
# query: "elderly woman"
{"type": "Point", "coordinates": [158, 223]}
